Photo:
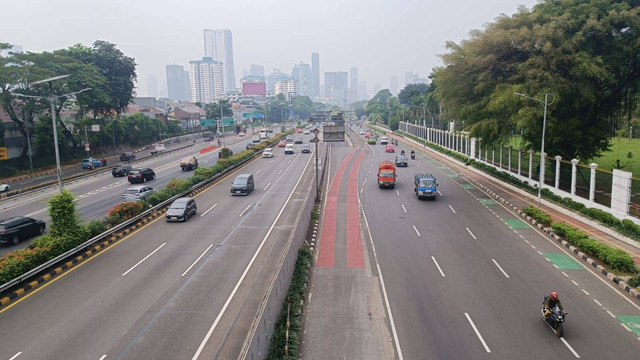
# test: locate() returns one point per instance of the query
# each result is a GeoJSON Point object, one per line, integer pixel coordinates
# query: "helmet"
{"type": "Point", "coordinates": [554, 295]}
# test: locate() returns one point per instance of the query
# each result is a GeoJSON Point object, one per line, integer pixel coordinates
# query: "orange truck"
{"type": "Point", "coordinates": [386, 174]}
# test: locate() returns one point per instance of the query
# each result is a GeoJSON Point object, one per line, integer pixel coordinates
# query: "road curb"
{"type": "Point", "coordinates": [549, 232]}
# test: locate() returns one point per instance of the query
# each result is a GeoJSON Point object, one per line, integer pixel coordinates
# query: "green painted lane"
{"type": "Point", "coordinates": [517, 224]}
{"type": "Point", "coordinates": [563, 261]}
{"type": "Point", "coordinates": [491, 202]}
{"type": "Point", "coordinates": [631, 322]}
{"type": "Point", "coordinates": [467, 186]}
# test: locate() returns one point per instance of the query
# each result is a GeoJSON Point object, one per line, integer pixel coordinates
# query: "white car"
{"type": "Point", "coordinates": [288, 149]}
{"type": "Point", "coordinates": [267, 153]}
{"type": "Point", "coordinates": [361, 132]}
{"type": "Point", "coordinates": [306, 132]}
{"type": "Point", "coordinates": [4, 188]}
{"type": "Point", "coordinates": [240, 134]}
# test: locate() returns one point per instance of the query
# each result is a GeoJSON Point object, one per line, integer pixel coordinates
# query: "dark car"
{"type": "Point", "coordinates": [141, 175]}
{"type": "Point", "coordinates": [298, 141]}
{"type": "Point", "coordinates": [270, 131]}
{"type": "Point", "coordinates": [128, 156]}
{"type": "Point", "coordinates": [242, 185]}
{"type": "Point", "coordinates": [225, 153]}
{"type": "Point", "coordinates": [181, 209]}
{"type": "Point", "coordinates": [401, 161]}
{"type": "Point", "coordinates": [14, 229]}
{"type": "Point", "coordinates": [250, 145]}
{"type": "Point", "coordinates": [122, 170]}
{"type": "Point", "coordinates": [306, 148]}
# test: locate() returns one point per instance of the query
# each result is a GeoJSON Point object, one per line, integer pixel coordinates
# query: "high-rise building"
{"type": "Point", "coordinates": [206, 78]}
{"type": "Point", "coordinates": [152, 86]}
{"type": "Point", "coordinates": [218, 45]}
{"type": "Point", "coordinates": [286, 85]}
{"type": "Point", "coordinates": [177, 77]}
{"type": "Point", "coordinates": [376, 89]}
{"type": "Point", "coordinates": [353, 84]}
{"type": "Point", "coordinates": [362, 90]}
{"type": "Point", "coordinates": [336, 85]}
{"type": "Point", "coordinates": [256, 70]}
{"type": "Point", "coordinates": [275, 75]}
{"type": "Point", "coordinates": [393, 85]}
{"type": "Point", "coordinates": [302, 72]}
{"type": "Point", "coordinates": [315, 76]}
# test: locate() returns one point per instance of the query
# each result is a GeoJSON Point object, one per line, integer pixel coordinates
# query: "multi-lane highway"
{"type": "Point", "coordinates": [169, 290]}
{"type": "Point", "coordinates": [463, 275]}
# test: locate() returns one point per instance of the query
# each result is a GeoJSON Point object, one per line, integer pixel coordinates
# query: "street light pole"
{"type": "Point", "coordinates": [52, 99]}
{"type": "Point", "coordinates": [544, 103]}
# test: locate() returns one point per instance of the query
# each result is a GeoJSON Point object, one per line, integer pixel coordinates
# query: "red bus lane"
{"type": "Point", "coordinates": [327, 246]}
{"type": "Point", "coordinates": [355, 251]}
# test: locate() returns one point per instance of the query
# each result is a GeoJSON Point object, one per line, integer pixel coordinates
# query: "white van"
{"type": "Point", "coordinates": [267, 153]}
{"type": "Point", "coordinates": [384, 140]}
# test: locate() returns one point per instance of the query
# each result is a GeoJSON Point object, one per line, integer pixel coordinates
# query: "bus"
{"type": "Point", "coordinates": [263, 134]}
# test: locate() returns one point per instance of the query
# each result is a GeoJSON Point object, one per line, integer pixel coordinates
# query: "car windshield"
{"type": "Point", "coordinates": [131, 192]}
{"type": "Point", "coordinates": [426, 183]}
{"type": "Point", "coordinates": [386, 174]}
{"type": "Point", "coordinates": [242, 181]}
{"type": "Point", "coordinates": [179, 206]}
{"type": "Point", "coordinates": [134, 172]}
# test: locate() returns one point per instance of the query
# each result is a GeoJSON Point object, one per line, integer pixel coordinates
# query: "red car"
{"type": "Point", "coordinates": [298, 130]}
{"type": "Point", "coordinates": [367, 135]}
{"type": "Point", "coordinates": [282, 143]}
{"type": "Point", "coordinates": [390, 149]}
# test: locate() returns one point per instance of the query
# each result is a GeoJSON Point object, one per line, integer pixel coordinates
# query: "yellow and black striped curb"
{"type": "Point", "coordinates": [549, 232]}
{"type": "Point", "coordinates": [92, 250]}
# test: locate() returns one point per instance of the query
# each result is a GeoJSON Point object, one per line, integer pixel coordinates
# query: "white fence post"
{"type": "Point", "coordinates": [530, 163]}
{"type": "Point", "coordinates": [574, 162]}
{"type": "Point", "coordinates": [592, 181]}
{"type": "Point", "coordinates": [558, 158]}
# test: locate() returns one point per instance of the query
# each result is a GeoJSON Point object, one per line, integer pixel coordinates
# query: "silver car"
{"type": "Point", "coordinates": [139, 192]}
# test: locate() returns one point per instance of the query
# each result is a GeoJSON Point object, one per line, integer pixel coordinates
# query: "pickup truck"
{"type": "Point", "coordinates": [157, 149]}
{"type": "Point", "coordinates": [425, 186]}
{"type": "Point", "coordinates": [189, 163]}
{"type": "Point", "coordinates": [387, 174]}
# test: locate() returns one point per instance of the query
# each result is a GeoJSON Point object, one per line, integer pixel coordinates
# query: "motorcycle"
{"type": "Point", "coordinates": [396, 142]}
{"type": "Point", "coordinates": [555, 320]}
{"type": "Point", "coordinates": [413, 155]}
{"type": "Point", "coordinates": [402, 152]}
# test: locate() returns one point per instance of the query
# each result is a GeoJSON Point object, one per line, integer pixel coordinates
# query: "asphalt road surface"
{"type": "Point", "coordinates": [168, 290]}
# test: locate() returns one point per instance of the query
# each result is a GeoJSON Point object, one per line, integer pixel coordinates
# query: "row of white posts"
{"type": "Point", "coordinates": [460, 142]}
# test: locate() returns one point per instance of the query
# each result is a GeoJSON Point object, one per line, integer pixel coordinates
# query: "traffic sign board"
{"type": "Point", "coordinates": [227, 121]}
{"type": "Point", "coordinates": [207, 122]}
{"type": "Point", "coordinates": [4, 154]}
{"type": "Point", "coordinates": [315, 140]}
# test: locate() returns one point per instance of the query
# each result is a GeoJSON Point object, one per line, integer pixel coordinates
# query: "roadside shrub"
{"type": "Point", "coordinates": [630, 228]}
{"type": "Point", "coordinates": [20, 261]}
{"type": "Point", "coordinates": [125, 211]}
{"type": "Point", "coordinates": [634, 281]}
{"type": "Point", "coordinates": [561, 229]}
{"type": "Point", "coordinates": [603, 217]}
{"type": "Point", "coordinates": [96, 227]}
{"type": "Point", "coordinates": [63, 213]}
{"type": "Point", "coordinates": [538, 215]}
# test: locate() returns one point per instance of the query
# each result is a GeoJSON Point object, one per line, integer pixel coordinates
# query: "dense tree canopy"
{"type": "Point", "coordinates": [585, 54]}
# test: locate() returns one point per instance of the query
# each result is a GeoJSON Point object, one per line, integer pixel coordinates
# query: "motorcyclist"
{"type": "Point", "coordinates": [402, 152]}
{"type": "Point", "coordinates": [550, 302]}
{"type": "Point", "coordinates": [413, 154]}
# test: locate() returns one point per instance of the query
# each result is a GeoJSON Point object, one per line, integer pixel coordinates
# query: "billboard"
{"type": "Point", "coordinates": [257, 88]}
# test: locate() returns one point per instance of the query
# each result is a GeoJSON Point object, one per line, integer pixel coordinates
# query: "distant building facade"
{"type": "Point", "coordinates": [177, 83]}
{"type": "Point", "coordinates": [393, 85]}
{"type": "Point", "coordinates": [302, 72]}
{"type": "Point", "coordinates": [336, 84]}
{"type": "Point", "coordinates": [287, 86]}
{"type": "Point", "coordinates": [206, 77]}
{"type": "Point", "coordinates": [218, 45]}
{"type": "Point", "coordinates": [353, 84]}
{"type": "Point", "coordinates": [256, 70]}
{"type": "Point", "coordinates": [315, 76]}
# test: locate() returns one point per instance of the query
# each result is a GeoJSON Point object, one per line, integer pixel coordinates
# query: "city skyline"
{"type": "Point", "coordinates": [388, 39]}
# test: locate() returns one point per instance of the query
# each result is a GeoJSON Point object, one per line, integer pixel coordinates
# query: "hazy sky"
{"type": "Point", "coordinates": [380, 37]}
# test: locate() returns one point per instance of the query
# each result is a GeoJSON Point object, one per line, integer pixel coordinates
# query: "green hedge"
{"type": "Point", "coordinates": [538, 215]}
{"type": "Point", "coordinates": [296, 293]}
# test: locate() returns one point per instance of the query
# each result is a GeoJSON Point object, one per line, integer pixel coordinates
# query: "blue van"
{"type": "Point", "coordinates": [425, 186]}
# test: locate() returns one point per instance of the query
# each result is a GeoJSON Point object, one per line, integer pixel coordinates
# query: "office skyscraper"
{"type": "Point", "coordinates": [176, 79]}
{"type": "Point", "coordinates": [315, 76]}
{"type": "Point", "coordinates": [302, 73]}
{"type": "Point", "coordinates": [353, 84]}
{"type": "Point", "coordinates": [218, 45]}
{"type": "Point", "coordinates": [256, 70]}
{"type": "Point", "coordinates": [393, 85]}
{"type": "Point", "coordinates": [362, 90]}
{"type": "Point", "coordinates": [206, 78]}
{"type": "Point", "coordinates": [336, 85]}
{"type": "Point", "coordinates": [152, 86]}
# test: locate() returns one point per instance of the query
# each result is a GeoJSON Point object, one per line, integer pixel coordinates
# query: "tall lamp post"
{"type": "Point", "coordinates": [52, 98]}
{"type": "Point", "coordinates": [544, 103]}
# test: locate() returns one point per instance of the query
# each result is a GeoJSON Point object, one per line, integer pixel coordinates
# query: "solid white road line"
{"type": "Point", "coordinates": [437, 265]}
{"type": "Point", "coordinates": [258, 172]}
{"type": "Point", "coordinates": [145, 258]}
{"type": "Point", "coordinates": [15, 356]}
{"type": "Point", "coordinates": [384, 289]}
{"type": "Point", "coordinates": [477, 332]}
{"type": "Point", "coordinates": [452, 209]}
{"type": "Point", "coordinates": [103, 357]}
{"type": "Point", "coordinates": [245, 209]}
{"type": "Point", "coordinates": [246, 270]}
{"type": "Point", "coordinates": [209, 209]}
{"type": "Point", "coordinates": [195, 262]}
{"type": "Point", "coordinates": [416, 229]}
{"type": "Point", "coordinates": [266, 187]}
{"type": "Point", "coordinates": [570, 348]}
{"type": "Point", "coordinates": [470, 233]}
{"type": "Point", "coordinates": [280, 172]}
{"type": "Point", "coordinates": [403, 208]}
{"type": "Point", "coordinates": [500, 267]}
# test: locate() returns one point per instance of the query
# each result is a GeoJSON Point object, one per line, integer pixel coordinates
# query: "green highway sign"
{"type": "Point", "coordinates": [227, 121]}
{"type": "Point", "coordinates": [208, 122]}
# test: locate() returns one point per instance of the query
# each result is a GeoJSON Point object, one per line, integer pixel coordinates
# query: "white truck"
{"type": "Point", "coordinates": [157, 149]}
